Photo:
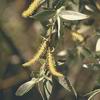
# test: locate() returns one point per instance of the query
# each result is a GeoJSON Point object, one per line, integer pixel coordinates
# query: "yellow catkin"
{"type": "Point", "coordinates": [51, 64]}
{"type": "Point", "coordinates": [33, 6]}
{"type": "Point", "coordinates": [37, 56]}
{"type": "Point", "coordinates": [77, 36]}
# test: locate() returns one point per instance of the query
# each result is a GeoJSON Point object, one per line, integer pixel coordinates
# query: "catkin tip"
{"type": "Point", "coordinates": [37, 56]}
{"type": "Point", "coordinates": [29, 63]}
{"type": "Point", "coordinates": [25, 65]}
{"type": "Point", "coordinates": [24, 15]}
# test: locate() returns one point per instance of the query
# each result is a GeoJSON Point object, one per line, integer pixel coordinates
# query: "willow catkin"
{"type": "Point", "coordinates": [38, 54]}
{"type": "Point", "coordinates": [51, 64]}
{"type": "Point", "coordinates": [32, 7]}
{"type": "Point", "coordinates": [77, 36]}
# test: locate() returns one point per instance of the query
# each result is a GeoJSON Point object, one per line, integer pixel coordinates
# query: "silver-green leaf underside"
{"type": "Point", "coordinates": [72, 15]}
{"type": "Point", "coordinates": [26, 87]}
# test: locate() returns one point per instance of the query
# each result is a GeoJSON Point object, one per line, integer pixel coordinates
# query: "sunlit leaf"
{"type": "Point", "coordinates": [24, 88]}
{"type": "Point", "coordinates": [62, 53]}
{"type": "Point", "coordinates": [98, 4]}
{"type": "Point", "coordinates": [95, 93]}
{"type": "Point", "coordinates": [98, 45]}
{"type": "Point", "coordinates": [72, 15]}
{"type": "Point", "coordinates": [89, 8]}
{"type": "Point", "coordinates": [58, 20]}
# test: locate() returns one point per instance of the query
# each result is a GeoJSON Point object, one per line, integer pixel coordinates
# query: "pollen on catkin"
{"type": "Point", "coordinates": [38, 54]}
{"type": "Point", "coordinates": [51, 64]}
{"type": "Point", "coordinates": [32, 7]}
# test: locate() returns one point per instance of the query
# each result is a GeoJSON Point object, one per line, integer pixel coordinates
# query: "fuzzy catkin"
{"type": "Point", "coordinates": [37, 56]}
{"type": "Point", "coordinates": [32, 7]}
{"type": "Point", "coordinates": [77, 36]}
{"type": "Point", "coordinates": [51, 64]}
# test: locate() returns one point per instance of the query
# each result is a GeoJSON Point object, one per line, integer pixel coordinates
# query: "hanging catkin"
{"type": "Point", "coordinates": [38, 54]}
{"type": "Point", "coordinates": [32, 7]}
{"type": "Point", "coordinates": [51, 64]}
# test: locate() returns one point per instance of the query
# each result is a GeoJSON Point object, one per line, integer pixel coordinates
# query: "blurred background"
{"type": "Point", "coordinates": [18, 42]}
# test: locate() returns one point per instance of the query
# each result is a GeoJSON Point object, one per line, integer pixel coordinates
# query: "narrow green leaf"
{"type": "Point", "coordinates": [62, 81]}
{"type": "Point", "coordinates": [43, 15]}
